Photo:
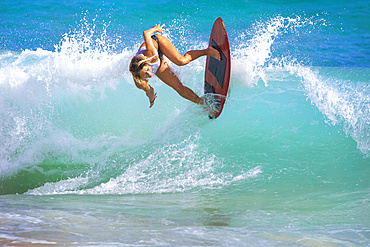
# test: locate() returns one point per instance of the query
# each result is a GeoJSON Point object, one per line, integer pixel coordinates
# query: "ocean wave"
{"type": "Point", "coordinates": [60, 106]}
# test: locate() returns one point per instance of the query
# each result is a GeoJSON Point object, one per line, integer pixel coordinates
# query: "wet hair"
{"type": "Point", "coordinates": [137, 64]}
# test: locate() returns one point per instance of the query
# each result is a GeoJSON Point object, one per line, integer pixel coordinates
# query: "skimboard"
{"type": "Point", "coordinates": [217, 74]}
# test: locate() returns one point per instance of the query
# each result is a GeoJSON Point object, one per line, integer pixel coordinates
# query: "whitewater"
{"type": "Point", "coordinates": [85, 161]}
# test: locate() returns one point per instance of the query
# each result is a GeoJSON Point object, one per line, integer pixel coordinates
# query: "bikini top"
{"type": "Point", "coordinates": [154, 66]}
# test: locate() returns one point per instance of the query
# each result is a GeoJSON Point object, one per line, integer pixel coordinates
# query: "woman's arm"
{"type": "Point", "coordinates": [149, 91]}
{"type": "Point", "coordinates": [152, 96]}
{"type": "Point", "coordinates": [151, 50]}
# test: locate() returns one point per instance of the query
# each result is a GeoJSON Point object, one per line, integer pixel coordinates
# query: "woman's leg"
{"type": "Point", "coordinates": [173, 54]}
{"type": "Point", "coordinates": [167, 76]}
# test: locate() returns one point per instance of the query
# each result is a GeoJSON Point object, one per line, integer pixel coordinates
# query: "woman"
{"type": "Point", "coordinates": [149, 60]}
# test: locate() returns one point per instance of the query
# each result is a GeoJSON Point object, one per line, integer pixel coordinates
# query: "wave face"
{"type": "Point", "coordinates": [72, 114]}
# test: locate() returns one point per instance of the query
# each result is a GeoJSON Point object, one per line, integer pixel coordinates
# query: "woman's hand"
{"type": "Point", "coordinates": [158, 28]}
{"type": "Point", "coordinates": [151, 95]}
{"type": "Point", "coordinates": [152, 101]}
{"type": "Point", "coordinates": [151, 50]}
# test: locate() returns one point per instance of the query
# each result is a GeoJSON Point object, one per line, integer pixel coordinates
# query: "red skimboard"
{"type": "Point", "coordinates": [217, 75]}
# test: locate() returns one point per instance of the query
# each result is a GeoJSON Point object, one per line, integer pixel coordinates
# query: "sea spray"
{"type": "Point", "coordinates": [342, 101]}
{"type": "Point", "coordinates": [254, 59]}
{"type": "Point", "coordinates": [254, 49]}
{"type": "Point", "coordinates": [38, 85]}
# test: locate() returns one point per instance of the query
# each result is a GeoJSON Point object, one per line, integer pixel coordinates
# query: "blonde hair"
{"type": "Point", "coordinates": [136, 65]}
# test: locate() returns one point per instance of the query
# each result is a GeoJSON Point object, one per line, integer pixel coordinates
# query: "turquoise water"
{"type": "Point", "coordinates": [85, 162]}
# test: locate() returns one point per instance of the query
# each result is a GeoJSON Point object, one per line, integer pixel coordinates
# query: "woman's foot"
{"type": "Point", "coordinates": [213, 53]}
{"type": "Point", "coordinates": [211, 103]}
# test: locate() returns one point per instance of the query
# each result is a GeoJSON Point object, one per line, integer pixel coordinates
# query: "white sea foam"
{"type": "Point", "coordinates": [34, 84]}
{"type": "Point", "coordinates": [170, 168]}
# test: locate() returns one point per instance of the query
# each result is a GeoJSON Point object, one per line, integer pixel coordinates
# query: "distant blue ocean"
{"type": "Point", "coordinates": [85, 162]}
